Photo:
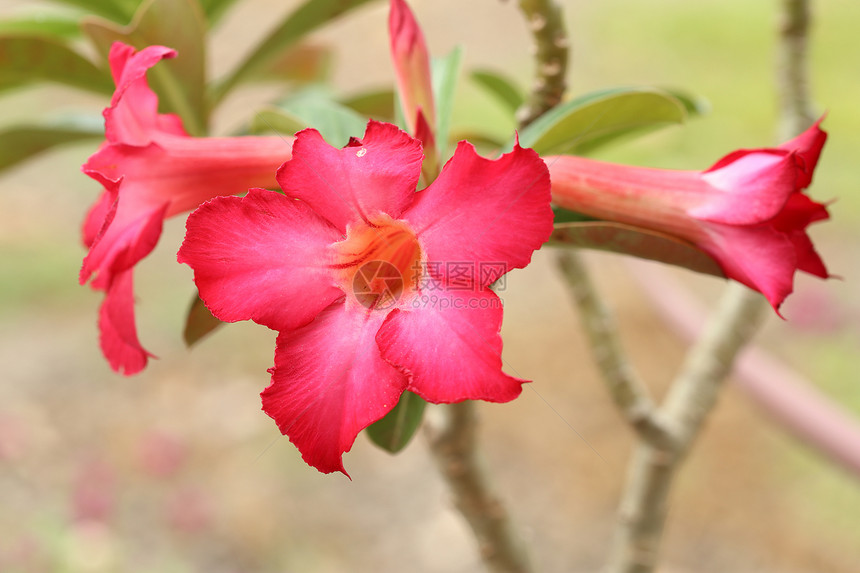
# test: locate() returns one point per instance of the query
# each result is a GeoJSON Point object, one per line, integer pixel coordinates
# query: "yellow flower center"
{"type": "Point", "coordinates": [379, 262]}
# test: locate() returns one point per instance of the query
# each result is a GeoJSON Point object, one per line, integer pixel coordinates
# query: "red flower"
{"type": "Point", "coordinates": [748, 211]}
{"type": "Point", "coordinates": [375, 288]}
{"type": "Point", "coordinates": [411, 68]}
{"type": "Point", "coordinates": [151, 169]}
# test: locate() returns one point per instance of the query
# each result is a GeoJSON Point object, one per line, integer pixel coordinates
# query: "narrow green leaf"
{"type": "Point", "coordinates": [445, 71]}
{"type": "Point", "coordinates": [394, 431]}
{"type": "Point", "coordinates": [309, 16]}
{"type": "Point", "coordinates": [500, 87]}
{"type": "Point", "coordinates": [214, 9]}
{"type": "Point", "coordinates": [629, 240]}
{"type": "Point", "coordinates": [585, 123]}
{"type": "Point", "coordinates": [119, 11]}
{"type": "Point", "coordinates": [278, 121]}
{"type": "Point", "coordinates": [377, 104]}
{"type": "Point", "coordinates": [24, 141]}
{"type": "Point", "coordinates": [301, 64]}
{"type": "Point", "coordinates": [28, 59]}
{"type": "Point", "coordinates": [199, 322]}
{"type": "Point", "coordinates": [693, 104]}
{"type": "Point", "coordinates": [180, 82]}
{"type": "Point", "coordinates": [477, 138]}
{"type": "Point", "coordinates": [561, 215]}
{"type": "Point", "coordinates": [314, 108]}
{"type": "Point", "coordinates": [45, 25]}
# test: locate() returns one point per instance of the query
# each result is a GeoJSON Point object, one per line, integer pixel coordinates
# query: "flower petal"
{"type": "Point", "coordinates": [330, 382]}
{"type": "Point", "coordinates": [807, 146]}
{"type": "Point", "coordinates": [376, 174]}
{"type": "Point", "coordinates": [263, 257]}
{"type": "Point", "coordinates": [97, 217]}
{"type": "Point", "coordinates": [808, 259]}
{"type": "Point", "coordinates": [480, 210]}
{"type": "Point", "coordinates": [118, 333]}
{"type": "Point", "coordinates": [750, 187]}
{"type": "Point", "coordinates": [762, 258]}
{"type": "Point", "coordinates": [448, 341]}
{"type": "Point", "coordinates": [800, 211]}
{"type": "Point", "coordinates": [132, 117]}
{"type": "Point", "coordinates": [130, 232]}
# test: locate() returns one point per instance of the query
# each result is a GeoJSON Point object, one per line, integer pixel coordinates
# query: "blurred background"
{"type": "Point", "coordinates": [177, 470]}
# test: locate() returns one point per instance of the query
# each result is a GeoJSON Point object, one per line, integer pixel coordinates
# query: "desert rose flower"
{"type": "Point", "coordinates": [374, 288]}
{"type": "Point", "coordinates": [748, 211]}
{"type": "Point", "coordinates": [150, 170]}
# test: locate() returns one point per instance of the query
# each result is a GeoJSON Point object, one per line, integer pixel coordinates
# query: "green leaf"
{"type": "Point", "coordinates": [629, 240]}
{"type": "Point", "coordinates": [587, 122]}
{"type": "Point", "coordinates": [309, 16]}
{"type": "Point", "coordinates": [181, 82]}
{"type": "Point", "coordinates": [394, 431]}
{"type": "Point", "coordinates": [476, 138]}
{"type": "Point", "coordinates": [302, 64]}
{"type": "Point", "coordinates": [24, 141]}
{"type": "Point", "coordinates": [561, 215]}
{"type": "Point", "coordinates": [214, 9]}
{"type": "Point", "coordinates": [199, 322]}
{"type": "Point", "coordinates": [119, 11]}
{"type": "Point", "coordinates": [500, 87]}
{"type": "Point", "coordinates": [445, 71]}
{"type": "Point", "coordinates": [45, 25]}
{"type": "Point", "coordinates": [28, 59]}
{"type": "Point", "coordinates": [314, 108]}
{"type": "Point", "coordinates": [274, 120]}
{"type": "Point", "coordinates": [377, 104]}
{"type": "Point", "coordinates": [693, 104]}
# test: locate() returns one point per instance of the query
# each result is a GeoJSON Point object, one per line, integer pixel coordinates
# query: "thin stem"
{"type": "Point", "coordinates": [792, 77]}
{"type": "Point", "coordinates": [691, 398]}
{"type": "Point", "coordinates": [694, 392]}
{"type": "Point", "coordinates": [453, 441]}
{"type": "Point", "coordinates": [642, 511]}
{"type": "Point", "coordinates": [551, 55]}
{"type": "Point", "coordinates": [789, 399]}
{"type": "Point", "coordinates": [626, 389]}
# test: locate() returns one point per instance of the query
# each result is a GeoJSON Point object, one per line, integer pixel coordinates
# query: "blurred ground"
{"type": "Point", "coordinates": [178, 471]}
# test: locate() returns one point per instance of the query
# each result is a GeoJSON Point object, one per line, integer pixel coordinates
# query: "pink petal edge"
{"type": "Point", "coordinates": [263, 257]}
{"type": "Point", "coordinates": [329, 382]}
{"type": "Point", "coordinates": [448, 342]}
{"type": "Point", "coordinates": [377, 174]}
{"type": "Point", "coordinates": [485, 211]}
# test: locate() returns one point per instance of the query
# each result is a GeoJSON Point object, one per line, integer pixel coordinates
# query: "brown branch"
{"type": "Point", "coordinates": [694, 392]}
{"type": "Point", "coordinates": [792, 401]}
{"type": "Point", "coordinates": [691, 398]}
{"type": "Point", "coordinates": [626, 389]}
{"type": "Point", "coordinates": [453, 442]}
{"type": "Point", "coordinates": [791, 69]}
{"type": "Point", "coordinates": [551, 54]}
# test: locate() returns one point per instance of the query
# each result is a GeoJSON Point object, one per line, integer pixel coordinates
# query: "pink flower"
{"type": "Point", "coordinates": [748, 211]}
{"type": "Point", "coordinates": [151, 169]}
{"type": "Point", "coordinates": [374, 288]}
{"type": "Point", "coordinates": [411, 68]}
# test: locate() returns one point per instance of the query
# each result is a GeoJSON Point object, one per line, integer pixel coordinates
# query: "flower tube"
{"type": "Point", "coordinates": [748, 211]}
